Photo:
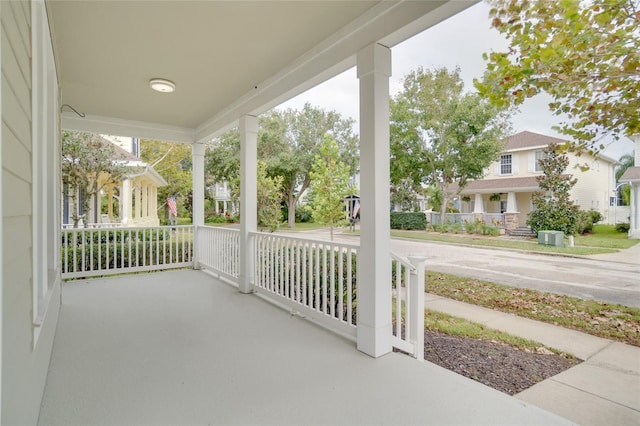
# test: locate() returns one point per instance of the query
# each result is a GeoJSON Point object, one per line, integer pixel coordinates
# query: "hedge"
{"type": "Point", "coordinates": [408, 220]}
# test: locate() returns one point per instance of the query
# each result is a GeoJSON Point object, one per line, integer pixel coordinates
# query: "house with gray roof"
{"type": "Point", "coordinates": [509, 182]}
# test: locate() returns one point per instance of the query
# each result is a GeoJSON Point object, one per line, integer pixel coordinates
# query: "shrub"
{"type": "Point", "coordinates": [586, 219]}
{"type": "Point", "coordinates": [408, 220]}
{"type": "Point", "coordinates": [623, 227]}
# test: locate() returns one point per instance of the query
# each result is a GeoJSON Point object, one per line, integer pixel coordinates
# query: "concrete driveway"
{"type": "Point", "coordinates": [613, 278]}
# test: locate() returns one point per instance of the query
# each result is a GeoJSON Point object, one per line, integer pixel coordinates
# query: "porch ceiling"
{"type": "Point", "coordinates": [227, 58]}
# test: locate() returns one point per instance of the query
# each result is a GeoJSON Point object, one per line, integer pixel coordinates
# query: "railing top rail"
{"type": "Point", "coordinates": [403, 260]}
{"type": "Point", "coordinates": [306, 240]}
{"type": "Point", "coordinates": [126, 228]}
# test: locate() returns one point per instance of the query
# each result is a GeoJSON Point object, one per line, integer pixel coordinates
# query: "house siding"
{"type": "Point", "coordinates": [24, 361]}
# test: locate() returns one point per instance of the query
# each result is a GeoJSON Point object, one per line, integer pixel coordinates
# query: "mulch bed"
{"type": "Point", "coordinates": [495, 364]}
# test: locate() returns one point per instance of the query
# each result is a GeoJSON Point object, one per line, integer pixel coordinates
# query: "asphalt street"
{"type": "Point", "coordinates": [607, 278]}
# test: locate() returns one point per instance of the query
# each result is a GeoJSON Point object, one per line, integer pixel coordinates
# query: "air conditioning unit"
{"type": "Point", "coordinates": [551, 238]}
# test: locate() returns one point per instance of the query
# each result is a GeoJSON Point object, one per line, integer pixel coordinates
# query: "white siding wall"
{"type": "Point", "coordinates": [24, 360]}
{"type": "Point", "coordinates": [594, 186]}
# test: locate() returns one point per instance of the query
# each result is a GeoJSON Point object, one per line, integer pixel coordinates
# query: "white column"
{"type": "Point", "coordinates": [248, 196]}
{"type": "Point", "coordinates": [478, 205]}
{"type": "Point", "coordinates": [197, 156]}
{"type": "Point", "coordinates": [634, 221]}
{"type": "Point", "coordinates": [125, 201]}
{"type": "Point", "coordinates": [154, 203]}
{"type": "Point", "coordinates": [138, 193]}
{"type": "Point", "coordinates": [145, 200]}
{"type": "Point", "coordinates": [512, 205]}
{"type": "Point", "coordinates": [374, 271]}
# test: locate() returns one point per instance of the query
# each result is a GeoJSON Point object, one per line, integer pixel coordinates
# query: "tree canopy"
{"type": "Point", "coordinates": [584, 54]}
{"type": "Point", "coordinates": [89, 164]}
{"type": "Point", "coordinates": [172, 161]}
{"type": "Point", "coordinates": [329, 179]}
{"type": "Point", "coordinates": [288, 142]}
{"type": "Point", "coordinates": [442, 136]}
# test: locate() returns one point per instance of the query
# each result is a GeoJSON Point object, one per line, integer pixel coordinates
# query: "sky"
{"type": "Point", "coordinates": [459, 41]}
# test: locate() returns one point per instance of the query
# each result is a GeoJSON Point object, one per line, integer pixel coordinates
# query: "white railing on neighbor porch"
{"type": "Point", "coordinates": [315, 279]}
{"type": "Point", "coordinates": [108, 251]}
{"type": "Point", "coordinates": [494, 219]}
{"type": "Point", "coordinates": [219, 251]}
{"type": "Point", "coordinates": [408, 305]}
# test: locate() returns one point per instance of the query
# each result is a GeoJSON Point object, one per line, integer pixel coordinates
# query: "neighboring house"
{"type": "Point", "coordinates": [509, 182]}
{"type": "Point", "coordinates": [222, 202]}
{"type": "Point", "coordinates": [131, 202]}
{"type": "Point", "coordinates": [632, 177]}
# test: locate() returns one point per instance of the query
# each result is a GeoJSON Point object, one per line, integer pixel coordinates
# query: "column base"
{"type": "Point", "coordinates": [374, 342]}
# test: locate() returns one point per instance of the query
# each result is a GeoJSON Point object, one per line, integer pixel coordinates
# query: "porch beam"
{"type": "Point", "coordinates": [374, 271]}
{"type": "Point", "coordinates": [197, 199]}
{"type": "Point", "coordinates": [248, 196]}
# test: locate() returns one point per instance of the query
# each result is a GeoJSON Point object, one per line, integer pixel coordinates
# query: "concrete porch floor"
{"type": "Point", "coordinates": [180, 347]}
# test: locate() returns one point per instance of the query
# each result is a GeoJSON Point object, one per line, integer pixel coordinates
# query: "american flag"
{"type": "Point", "coordinates": [356, 209]}
{"type": "Point", "coordinates": [171, 205]}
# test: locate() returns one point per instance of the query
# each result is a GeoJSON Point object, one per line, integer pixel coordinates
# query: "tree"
{"type": "Point", "coordinates": [329, 179]}
{"type": "Point", "coordinates": [172, 161]}
{"type": "Point", "coordinates": [441, 136]}
{"type": "Point", "coordinates": [554, 209]}
{"type": "Point", "coordinates": [269, 198]}
{"type": "Point", "coordinates": [626, 161]}
{"type": "Point", "coordinates": [287, 143]}
{"type": "Point", "coordinates": [584, 54]}
{"type": "Point", "coordinates": [305, 133]}
{"type": "Point", "coordinates": [89, 164]}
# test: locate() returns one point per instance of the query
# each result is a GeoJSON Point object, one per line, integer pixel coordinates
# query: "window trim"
{"type": "Point", "coordinates": [504, 164]}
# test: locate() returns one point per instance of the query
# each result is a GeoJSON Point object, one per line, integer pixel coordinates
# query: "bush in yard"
{"type": "Point", "coordinates": [623, 227]}
{"type": "Point", "coordinates": [586, 219]}
{"type": "Point", "coordinates": [554, 209]}
{"type": "Point", "coordinates": [408, 220]}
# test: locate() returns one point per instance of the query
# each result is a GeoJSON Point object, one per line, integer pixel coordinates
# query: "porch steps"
{"type": "Point", "coordinates": [522, 231]}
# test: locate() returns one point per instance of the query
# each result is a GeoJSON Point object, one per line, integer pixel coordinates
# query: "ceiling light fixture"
{"type": "Point", "coordinates": [162, 85]}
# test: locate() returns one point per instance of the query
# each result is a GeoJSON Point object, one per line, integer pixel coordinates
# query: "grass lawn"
{"type": "Point", "coordinates": [604, 239]}
{"type": "Point", "coordinates": [454, 326]}
{"type": "Point", "coordinates": [611, 321]}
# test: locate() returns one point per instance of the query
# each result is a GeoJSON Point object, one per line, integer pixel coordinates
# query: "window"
{"type": "Point", "coordinates": [506, 164]}
{"type": "Point", "coordinates": [45, 166]}
{"type": "Point", "coordinates": [539, 155]}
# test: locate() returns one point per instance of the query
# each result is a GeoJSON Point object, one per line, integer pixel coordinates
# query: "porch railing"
{"type": "Point", "coordinates": [219, 251]}
{"type": "Point", "coordinates": [316, 279]}
{"type": "Point", "coordinates": [108, 251]}
{"type": "Point", "coordinates": [408, 305]}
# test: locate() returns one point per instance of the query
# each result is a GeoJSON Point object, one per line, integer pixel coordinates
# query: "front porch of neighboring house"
{"type": "Point", "coordinates": [132, 202]}
{"type": "Point", "coordinates": [495, 200]}
{"type": "Point", "coordinates": [185, 346]}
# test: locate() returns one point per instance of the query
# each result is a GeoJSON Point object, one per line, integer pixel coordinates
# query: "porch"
{"type": "Point", "coordinates": [181, 347]}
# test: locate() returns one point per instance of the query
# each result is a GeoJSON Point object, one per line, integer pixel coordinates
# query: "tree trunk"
{"type": "Point", "coordinates": [445, 202]}
{"type": "Point", "coordinates": [291, 214]}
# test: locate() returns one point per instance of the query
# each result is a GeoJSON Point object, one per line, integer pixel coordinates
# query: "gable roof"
{"type": "Point", "coordinates": [632, 174]}
{"type": "Point", "coordinates": [527, 139]}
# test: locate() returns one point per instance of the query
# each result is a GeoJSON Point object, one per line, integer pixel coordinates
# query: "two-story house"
{"type": "Point", "coordinates": [509, 182]}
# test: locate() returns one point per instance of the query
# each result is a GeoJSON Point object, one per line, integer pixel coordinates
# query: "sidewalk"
{"type": "Point", "coordinates": [630, 255]}
{"type": "Point", "coordinates": [604, 389]}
